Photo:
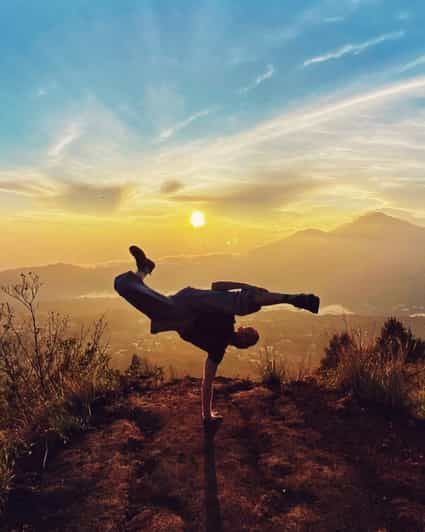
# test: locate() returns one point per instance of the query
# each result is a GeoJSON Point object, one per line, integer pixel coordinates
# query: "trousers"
{"type": "Point", "coordinates": [174, 311]}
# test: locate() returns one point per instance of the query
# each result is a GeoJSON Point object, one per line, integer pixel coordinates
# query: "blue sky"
{"type": "Point", "coordinates": [309, 110]}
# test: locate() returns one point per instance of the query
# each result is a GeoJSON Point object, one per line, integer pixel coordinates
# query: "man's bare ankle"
{"type": "Point", "coordinates": [141, 275]}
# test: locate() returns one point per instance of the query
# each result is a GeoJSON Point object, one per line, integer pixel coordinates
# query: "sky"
{"type": "Point", "coordinates": [119, 119]}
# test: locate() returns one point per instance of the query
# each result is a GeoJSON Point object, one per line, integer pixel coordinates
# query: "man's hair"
{"type": "Point", "coordinates": [245, 337]}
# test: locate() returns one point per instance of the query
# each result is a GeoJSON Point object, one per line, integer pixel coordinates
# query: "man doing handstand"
{"type": "Point", "coordinates": [205, 318]}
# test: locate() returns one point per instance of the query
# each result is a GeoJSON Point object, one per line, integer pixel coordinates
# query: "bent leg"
{"type": "Point", "coordinates": [154, 305]}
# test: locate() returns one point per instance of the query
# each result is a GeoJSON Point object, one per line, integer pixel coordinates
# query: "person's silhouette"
{"type": "Point", "coordinates": [205, 318]}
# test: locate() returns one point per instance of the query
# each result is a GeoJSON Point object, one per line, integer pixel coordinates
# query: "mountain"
{"type": "Point", "coordinates": [375, 264]}
{"type": "Point", "coordinates": [299, 460]}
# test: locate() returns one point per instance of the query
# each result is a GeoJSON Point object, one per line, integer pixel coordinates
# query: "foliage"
{"type": "Point", "coordinates": [7, 461]}
{"type": "Point", "coordinates": [338, 344]}
{"type": "Point", "coordinates": [387, 370]}
{"type": "Point", "coordinates": [272, 369]}
{"type": "Point", "coordinates": [49, 376]}
{"type": "Point", "coordinates": [142, 368]}
{"type": "Point", "coordinates": [395, 337]}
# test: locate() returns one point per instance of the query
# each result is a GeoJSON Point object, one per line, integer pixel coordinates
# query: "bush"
{"type": "Point", "coordinates": [6, 473]}
{"type": "Point", "coordinates": [387, 370]}
{"type": "Point", "coordinates": [48, 376]}
{"type": "Point", "coordinates": [338, 344]}
{"type": "Point", "coordinates": [142, 368]}
{"type": "Point", "coordinates": [272, 369]}
{"type": "Point", "coordinates": [395, 337]}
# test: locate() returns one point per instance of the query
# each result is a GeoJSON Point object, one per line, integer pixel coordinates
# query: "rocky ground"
{"type": "Point", "coordinates": [302, 459]}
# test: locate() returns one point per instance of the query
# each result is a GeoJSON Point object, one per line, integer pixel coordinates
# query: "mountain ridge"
{"type": "Point", "coordinates": [372, 265]}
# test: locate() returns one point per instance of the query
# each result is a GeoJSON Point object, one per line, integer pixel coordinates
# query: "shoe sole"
{"type": "Point", "coordinates": [315, 307]}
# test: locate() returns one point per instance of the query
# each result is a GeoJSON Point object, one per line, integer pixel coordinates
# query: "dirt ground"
{"type": "Point", "coordinates": [304, 459]}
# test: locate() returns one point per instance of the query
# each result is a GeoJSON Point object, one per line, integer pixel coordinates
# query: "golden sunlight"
{"type": "Point", "coordinates": [197, 219]}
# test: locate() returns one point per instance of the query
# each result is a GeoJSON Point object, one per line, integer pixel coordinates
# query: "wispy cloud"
{"type": "Point", "coordinates": [403, 15]}
{"type": "Point", "coordinates": [31, 187]}
{"type": "Point", "coordinates": [333, 20]}
{"type": "Point", "coordinates": [71, 133]}
{"type": "Point", "coordinates": [354, 49]}
{"type": "Point", "coordinates": [273, 191]}
{"type": "Point", "coordinates": [83, 198]}
{"type": "Point", "coordinates": [413, 64]}
{"type": "Point", "coordinates": [168, 133]}
{"type": "Point", "coordinates": [171, 186]}
{"type": "Point", "coordinates": [267, 74]}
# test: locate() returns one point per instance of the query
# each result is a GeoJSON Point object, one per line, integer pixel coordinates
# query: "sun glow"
{"type": "Point", "coordinates": [197, 219]}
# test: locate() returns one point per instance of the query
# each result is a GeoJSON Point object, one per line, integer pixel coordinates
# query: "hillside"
{"type": "Point", "coordinates": [372, 265]}
{"type": "Point", "coordinates": [304, 459]}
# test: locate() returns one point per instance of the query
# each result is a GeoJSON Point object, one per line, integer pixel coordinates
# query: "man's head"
{"type": "Point", "coordinates": [245, 337]}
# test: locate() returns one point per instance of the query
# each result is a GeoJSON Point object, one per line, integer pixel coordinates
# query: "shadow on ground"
{"type": "Point", "coordinates": [301, 460]}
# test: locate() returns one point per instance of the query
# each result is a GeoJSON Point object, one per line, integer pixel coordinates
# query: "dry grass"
{"type": "Point", "coordinates": [49, 377]}
{"type": "Point", "coordinates": [380, 370]}
{"type": "Point", "coordinates": [274, 369]}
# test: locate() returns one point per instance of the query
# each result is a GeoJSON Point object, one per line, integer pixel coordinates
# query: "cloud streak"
{"type": "Point", "coordinates": [171, 186]}
{"type": "Point", "coordinates": [170, 132]}
{"type": "Point", "coordinates": [354, 49]}
{"type": "Point", "coordinates": [413, 64]}
{"type": "Point", "coordinates": [267, 74]}
{"type": "Point", "coordinates": [67, 137]}
{"type": "Point", "coordinates": [273, 192]}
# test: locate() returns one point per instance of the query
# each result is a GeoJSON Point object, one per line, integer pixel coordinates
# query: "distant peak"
{"type": "Point", "coordinates": [308, 233]}
{"type": "Point", "coordinates": [375, 222]}
{"type": "Point", "coordinates": [376, 216]}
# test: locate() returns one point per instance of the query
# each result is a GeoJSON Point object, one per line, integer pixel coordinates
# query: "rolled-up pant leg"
{"type": "Point", "coordinates": [151, 303]}
{"type": "Point", "coordinates": [241, 302]}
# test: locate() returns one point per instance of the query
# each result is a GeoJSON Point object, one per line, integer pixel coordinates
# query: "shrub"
{"type": "Point", "coordinates": [395, 337]}
{"type": "Point", "coordinates": [49, 377]}
{"type": "Point", "coordinates": [387, 370]}
{"type": "Point", "coordinates": [273, 370]}
{"type": "Point", "coordinates": [338, 344]}
{"type": "Point", "coordinates": [142, 368]}
{"type": "Point", "coordinates": [6, 472]}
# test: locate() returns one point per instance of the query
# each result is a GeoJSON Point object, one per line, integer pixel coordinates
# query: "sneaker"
{"type": "Point", "coordinates": [142, 262]}
{"type": "Point", "coordinates": [307, 301]}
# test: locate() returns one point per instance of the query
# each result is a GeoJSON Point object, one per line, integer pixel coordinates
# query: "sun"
{"type": "Point", "coordinates": [197, 219]}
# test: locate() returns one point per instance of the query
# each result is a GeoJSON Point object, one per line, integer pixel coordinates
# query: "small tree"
{"type": "Point", "coordinates": [338, 344]}
{"type": "Point", "coordinates": [395, 337]}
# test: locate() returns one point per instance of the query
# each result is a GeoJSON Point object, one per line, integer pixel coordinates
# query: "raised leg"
{"type": "Point", "coordinates": [305, 301]}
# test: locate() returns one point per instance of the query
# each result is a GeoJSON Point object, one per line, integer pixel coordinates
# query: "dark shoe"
{"type": "Point", "coordinates": [214, 420]}
{"type": "Point", "coordinates": [308, 302]}
{"type": "Point", "coordinates": [143, 264]}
